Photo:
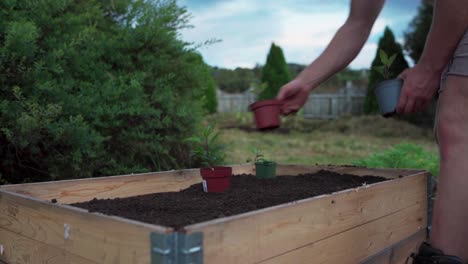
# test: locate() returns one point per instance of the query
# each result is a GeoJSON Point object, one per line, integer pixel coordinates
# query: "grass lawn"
{"type": "Point", "coordinates": [338, 142]}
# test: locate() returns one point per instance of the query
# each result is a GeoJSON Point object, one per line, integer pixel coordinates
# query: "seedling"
{"type": "Point", "coordinates": [257, 156]}
{"type": "Point", "coordinates": [264, 169]}
{"type": "Point", "coordinates": [387, 62]}
{"type": "Point", "coordinates": [206, 148]}
{"type": "Point", "coordinates": [209, 152]}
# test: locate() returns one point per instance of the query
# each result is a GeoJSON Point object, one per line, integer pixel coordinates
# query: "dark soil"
{"type": "Point", "coordinates": [192, 205]}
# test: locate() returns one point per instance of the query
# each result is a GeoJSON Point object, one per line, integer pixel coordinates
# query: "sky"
{"type": "Point", "coordinates": [303, 28]}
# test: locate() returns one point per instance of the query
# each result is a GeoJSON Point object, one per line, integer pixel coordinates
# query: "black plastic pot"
{"type": "Point", "coordinates": [388, 95]}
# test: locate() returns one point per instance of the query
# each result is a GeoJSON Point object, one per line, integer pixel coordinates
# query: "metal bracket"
{"type": "Point", "coordinates": [177, 248]}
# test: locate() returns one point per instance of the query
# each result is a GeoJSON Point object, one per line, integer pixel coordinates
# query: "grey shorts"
{"type": "Point", "coordinates": [458, 65]}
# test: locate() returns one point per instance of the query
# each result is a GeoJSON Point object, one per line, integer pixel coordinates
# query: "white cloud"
{"type": "Point", "coordinates": [247, 29]}
{"type": "Point", "coordinates": [365, 57]}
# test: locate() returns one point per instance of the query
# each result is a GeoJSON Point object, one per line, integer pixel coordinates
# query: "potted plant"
{"type": "Point", "coordinates": [388, 91]}
{"type": "Point", "coordinates": [267, 113]}
{"type": "Point", "coordinates": [209, 152]}
{"type": "Point", "coordinates": [264, 169]}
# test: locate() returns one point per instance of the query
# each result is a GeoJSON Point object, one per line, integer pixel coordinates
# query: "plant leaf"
{"type": "Point", "coordinates": [213, 138]}
{"type": "Point", "coordinates": [193, 140]}
{"type": "Point", "coordinates": [380, 69]}
{"type": "Point", "coordinates": [383, 57]}
{"type": "Point", "coordinates": [391, 60]}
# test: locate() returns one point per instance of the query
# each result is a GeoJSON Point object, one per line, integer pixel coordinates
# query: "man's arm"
{"type": "Point", "coordinates": [346, 44]}
{"type": "Point", "coordinates": [421, 82]}
{"type": "Point", "coordinates": [342, 49]}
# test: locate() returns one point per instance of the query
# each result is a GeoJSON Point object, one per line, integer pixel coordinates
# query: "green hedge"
{"type": "Point", "coordinates": [92, 88]}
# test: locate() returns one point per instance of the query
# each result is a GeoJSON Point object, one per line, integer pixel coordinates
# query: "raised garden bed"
{"type": "Point", "coordinates": [377, 223]}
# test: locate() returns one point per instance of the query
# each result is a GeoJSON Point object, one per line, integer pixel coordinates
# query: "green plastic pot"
{"type": "Point", "coordinates": [265, 169]}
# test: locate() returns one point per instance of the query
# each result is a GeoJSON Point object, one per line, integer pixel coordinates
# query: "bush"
{"type": "Point", "coordinates": [275, 73]}
{"type": "Point", "coordinates": [92, 88]}
{"type": "Point", "coordinates": [405, 156]}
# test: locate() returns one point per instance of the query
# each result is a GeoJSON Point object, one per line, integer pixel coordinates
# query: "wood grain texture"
{"type": "Point", "coordinates": [99, 238]}
{"type": "Point", "coordinates": [357, 244]}
{"type": "Point", "coordinates": [247, 238]}
{"type": "Point", "coordinates": [73, 191]}
{"type": "Point", "coordinates": [18, 249]}
{"type": "Point", "coordinates": [398, 253]}
{"type": "Point", "coordinates": [401, 252]}
{"type": "Point", "coordinates": [256, 236]}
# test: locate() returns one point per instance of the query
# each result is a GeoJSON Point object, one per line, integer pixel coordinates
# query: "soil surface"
{"type": "Point", "coordinates": [192, 205]}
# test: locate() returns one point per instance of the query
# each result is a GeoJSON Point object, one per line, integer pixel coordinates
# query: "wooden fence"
{"type": "Point", "coordinates": [348, 101]}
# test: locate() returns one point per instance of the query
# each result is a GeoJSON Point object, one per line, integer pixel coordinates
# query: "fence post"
{"type": "Point", "coordinates": [349, 101]}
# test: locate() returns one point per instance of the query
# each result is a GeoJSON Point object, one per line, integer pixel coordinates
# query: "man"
{"type": "Point", "coordinates": [445, 57]}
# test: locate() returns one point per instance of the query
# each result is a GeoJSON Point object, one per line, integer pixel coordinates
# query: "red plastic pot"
{"type": "Point", "coordinates": [267, 114]}
{"type": "Point", "coordinates": [216, 179]}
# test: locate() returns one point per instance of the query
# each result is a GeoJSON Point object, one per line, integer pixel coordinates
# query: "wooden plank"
{"type": "Point", "coordinates": [357, 244]}
{"type": "Point", "coordinates": [18, 249]}
{"type": "Point", "coordinates": [398, 253]}
{"type": "Point", "coordinates": [402, 251]}
{"type": "Point", "coordinates": [73, 191]}
{"type": "Point", "coordinates": [381, 258]}
{"type": "Point", "coordinates": [256, 236]}
{"type": "Point", "coordinates": [99, 238]}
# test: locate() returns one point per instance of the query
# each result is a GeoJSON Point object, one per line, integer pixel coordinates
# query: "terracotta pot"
{"type": "Point", "coordinates": [265, 169]}
{"type": "Point", "coordinates": [388, 95]}
{"type": "Point", "coordinates": [267, 114]}
{"type": "Point", "coordinates": [216, 179]}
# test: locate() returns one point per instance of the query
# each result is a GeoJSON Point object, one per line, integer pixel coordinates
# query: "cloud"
{"type": "Point", "coordinates": [365, 57]}
{"type": "Point", "coordinates": [302, 28]}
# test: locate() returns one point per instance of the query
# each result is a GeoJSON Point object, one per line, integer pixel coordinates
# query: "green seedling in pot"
{"type": "Point", "coordinates": [206, 148]}
{"type": "Point", "coordinates": [264, 169]}
{"type": "Point", "coordinates": [258, 156]}
{"type": "Point", "coordinates": [387, 91]}
{"type": "Point", "coordinates": [387, 62]}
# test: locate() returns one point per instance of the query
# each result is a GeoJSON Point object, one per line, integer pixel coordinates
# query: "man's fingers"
{"type": "Point", "coordinates": [402, 103]}
{"type": "Point", "coordinates": [425, 105]}
{"type": "Point", "coordinates": [284, 92]}
{"type": "Point", "coordinates": [410, 104]}
{"type": "Point", "coordinates": [287, 109]}
{"type": "Point", "coordinates": [418, 105]}
{"type": "Point", "coordinates": [403, 74]}
{"type": "Point", "coordinates": [280, 95]}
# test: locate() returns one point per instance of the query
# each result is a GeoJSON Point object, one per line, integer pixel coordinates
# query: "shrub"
{"type": "Point", "coordinates": [92, 88]}
{"type": "Point", "coordinates": [404, 155]}
{"type": "Point", "coordinates": [275, 73]}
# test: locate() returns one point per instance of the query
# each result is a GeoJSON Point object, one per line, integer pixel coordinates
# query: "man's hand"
{"type": "Point", "coordinates": [293, 95]}
{"type": "Point", "coordinates": [420, 84]}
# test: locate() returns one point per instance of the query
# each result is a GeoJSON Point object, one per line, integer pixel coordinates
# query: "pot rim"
{"type": "Point", "coordinates": [386, 82]}
{"type": "Point", "coordinates": [224, 171]}
{"type": "Point", "coordinates": [267, 163]}
{"type": "Point", "coordinates": [263, 103]}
